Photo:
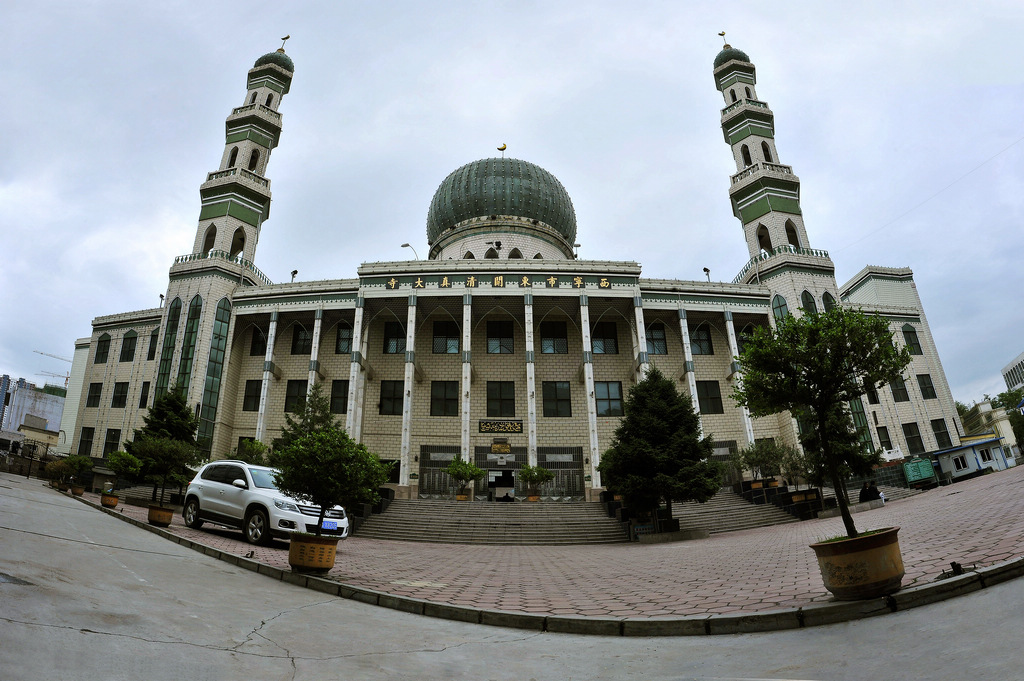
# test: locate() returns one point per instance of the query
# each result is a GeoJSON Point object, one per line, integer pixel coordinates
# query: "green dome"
{"type": "Point", "coordinates": [501, 186]}
{"type": "Point", "coordinates": [278, 58]}
{"type": "Point", "coordinates": [730, 53]}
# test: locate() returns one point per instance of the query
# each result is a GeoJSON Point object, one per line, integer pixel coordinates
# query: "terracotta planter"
{"type": "Point", "coordinates": [78, 490]}
{"type": "Point", "coordinates": [63, 486]}
{"type": "Point", "coordinates": [309, 553]}
{"type": "Point", "coordinates": [865, 567]}
{"type": "Point", "coordinates": [461, 497]}
{"type": "Point", "coordinates": [533, 497]}
{"type": "Point", "coordinates": [160, 516]}
{"type": "Point", "coordinates": [108, 500]}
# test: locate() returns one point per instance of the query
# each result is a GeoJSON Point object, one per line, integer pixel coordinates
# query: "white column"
{"type": "Point", "coordinates": [410, 370]}
{"type": "Point", "coordinates": [643, 364]}
{"type": "Point", "coordinates": [588, 376]}
{"type": "Point", "coordinates": [268, 372]}
{"type": "Point", "coordinates": [691, 378]}
{"type": "Point", "coordinates": [353, 417]}
{"type": "Point", "coordinates": [531, 382]}
{"type": "Point", "coordinates": [736, 374]}
{"type": "Point", "coordinates": [314, 362]}
{"type": "Point", "coordinates": [467, 373]}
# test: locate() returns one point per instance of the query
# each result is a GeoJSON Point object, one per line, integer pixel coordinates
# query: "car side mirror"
{"type": "Point", "coordinates": [240, 484]}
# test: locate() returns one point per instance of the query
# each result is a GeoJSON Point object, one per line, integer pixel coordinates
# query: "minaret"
{"type": "Point", "coordinates": [235, 200]}
{"type": "Point", "coordinates": [765, 196]}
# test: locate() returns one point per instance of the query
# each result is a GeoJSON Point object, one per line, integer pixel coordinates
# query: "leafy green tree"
{"type": "Point", "coordinates": [658, 454]}
{"type": "Point", "coordinates": [326, 467]}
{"type": "Point", "coordinates": [534, 476]}
{"type": "Point", "coordinates": [78, 464]}
{"type": "Point", "coordinates": [1009, 400]}
{"type": "Point", "coordinates": [166, 444]}
{"type": "Point", "coordinates": [464, 472]}
{"type": "Point", "coordinates": [313, 415]}
{"type": "Point", "coordinates": [764, 458]}
{"type": "Point", "coordinates": [251, 451]}
{"type": "Point", "coordinates": [812, 367]}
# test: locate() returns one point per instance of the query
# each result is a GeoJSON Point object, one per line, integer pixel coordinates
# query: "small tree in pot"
{"type": "Point", "coordinates": [78, 464]}
{"type": "Point", "coordinates": [533, 477]}
{"type": "Point", "coordinates": [464, 472]}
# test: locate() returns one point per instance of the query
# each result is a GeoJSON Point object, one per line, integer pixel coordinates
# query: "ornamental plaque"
{"type": "Point", "coordinates": [501, 426]}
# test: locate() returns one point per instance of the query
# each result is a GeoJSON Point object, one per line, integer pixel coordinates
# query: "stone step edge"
{"type": "Point", "coordinates": [816, 614]}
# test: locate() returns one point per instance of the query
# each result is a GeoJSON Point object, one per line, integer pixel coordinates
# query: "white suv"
{"type": "Point", "coordinates": [243, 496]}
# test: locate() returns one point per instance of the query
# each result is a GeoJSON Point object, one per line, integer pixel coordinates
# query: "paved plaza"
{"type": "Point", "coordinates": [978, 522]}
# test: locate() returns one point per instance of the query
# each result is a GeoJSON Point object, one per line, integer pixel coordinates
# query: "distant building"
{"type": "Point", "coordinates": [23, 399]}
{"type": "Point", "coordinates": [1013, 373]}
{"type": "Point", "coordinates": [984, 418]}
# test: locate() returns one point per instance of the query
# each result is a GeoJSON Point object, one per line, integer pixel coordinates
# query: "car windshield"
{"type": "Point", "coordinates": [263, 478]}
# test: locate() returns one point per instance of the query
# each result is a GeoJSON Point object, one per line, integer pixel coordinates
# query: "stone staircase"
{"type": "Point", "coordinates": [727, 512]}
{"type": "Point", "coordinates": [520, 523]}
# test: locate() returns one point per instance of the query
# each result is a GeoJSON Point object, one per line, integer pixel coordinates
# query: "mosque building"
{"type": "Point", "coordinates": [502, 347]}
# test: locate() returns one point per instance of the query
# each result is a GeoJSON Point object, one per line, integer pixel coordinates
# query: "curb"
{"type": "Point", "coordinates": [813, 615]}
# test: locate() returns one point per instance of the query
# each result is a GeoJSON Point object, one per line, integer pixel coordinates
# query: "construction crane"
{"type": "Point", "coordinates": [63, 359]}
{"type": "Point", "coordinates": [66, 377]}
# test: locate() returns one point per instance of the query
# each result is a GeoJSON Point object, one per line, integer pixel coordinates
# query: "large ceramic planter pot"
{"type": "Point", "coordinates": [864, 567]}
{"type": "Point", "coordinates": [108, 500]}
{"type": "Point", "coordinates": [78, 490]}
{"type": "Point", "coordinates": [309, 553]}
{"type": "Point", "coordinates": [160, 516]}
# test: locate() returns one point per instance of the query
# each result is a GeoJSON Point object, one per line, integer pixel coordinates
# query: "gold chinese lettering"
{"type": "Point", "coordinates": [577, 282]}
{"type": "Point", "coordinates": [552, 281]}
{"type": "Point", "coordinates": [445, 283]}
{"type": "Point", "coordinates": [604, 283]}
{"type": "Point", "coordinates": [419, 283]}
{"type": "Point", "coordinates": [471, 281]}
{"type": "Point", "coordinates": [392, 283]}
{"type": "Point", "coordinates": [499, 281]}
{"type": "Point", "coordinates": [525, 281]}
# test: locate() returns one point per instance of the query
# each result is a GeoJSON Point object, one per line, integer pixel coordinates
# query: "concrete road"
{"type": "Point", "coordinates": [85, 596]}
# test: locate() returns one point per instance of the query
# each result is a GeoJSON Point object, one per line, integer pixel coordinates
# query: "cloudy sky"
{"type": "Point", "coordinates": [902, 120]}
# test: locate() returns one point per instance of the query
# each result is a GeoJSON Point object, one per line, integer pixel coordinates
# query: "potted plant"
{"type": "Point", "coordinates": [166, 448]}
{"type": "Point", "coordinates": [58, 472]}
{"type": "Point", "coordinates": [78, 465]}
{"type": "Point", "coordinates": [125, 466]}
{"type": "Point", "coordinates": [464, 472]}
{"type": "Point", "coordinates": [326, 468]}
{"type": "Point", "coordinates": [532, 478]}
{"type": "Point", "coordinates": [814, 366]}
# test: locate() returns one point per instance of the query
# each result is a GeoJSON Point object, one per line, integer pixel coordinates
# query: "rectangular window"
{"type": "Point", "coordinates": [153, 337]}
{"type": "Point", "coordinates": [128, 348]}
{"type": "Point", "coordinates": [959, 462]}
{"type": "Point", "coordinates": [985, 455]}
{"type": "Point", "coordinates": [913, 434]}
{"type": "Point", "coordinates": [302, 340]}
{"type": "Point", "coordinates": [113, 441]}
{"type": "Point", "coordinates": [554, 338]}
{"type": "Point", "coordinates": [394, 338]}
{"type": "Point", "coordinates": [102, 349]}
{"type": "Point", "coordinates": [444, 398]}
{"type": "Point", "coordinates": [343, 342]}
{"type": "Point", "coordinates": [499, 338]}
{"type": "Point", "coordinates": [144, 396]}
{"type": "Point", "coordinates": [604, 339]}
{"type": "Point", "coordinates": [295, 395]}
{"type": "Point", "coordinates": [860, 423]}
{"type": "Point", "coordinates": [941, 433]}
{"type": "Point", "coordinates": [557, 401]}
{"type": "Point", "coordinates": [700, 341]}
{"type": "Point", "coordinates": [883, 437]}
{"type": "Point", "coordinates": [709, 397]}
{"type": "Point", "coordinates": [446, 338]}
{"type": "Point", "coordinates": [501, 399]}
{"type": "Point", "coordinates": [924, 381]}
{"type": "Point", "coordinates": [120, 397]}
{"type": "Point", "coordinates": [899, 391]}
{"type": "Point", "coordinates": [85, 443]}
{"type": "Point", "coordinates": [339, 397]}
{"type": "Point", "coordinates": [251, 401]}
{"type": "Point", "coordinates": [871, 393]}
{"type": "Point", "coordinates": [657, 344]}
{"type": "Point", "coordinates": [95, 390]}
{"type": "Point", "coordinates": [608, 396]}
{"type": "Point", "coordinates": [258, 344]}
{"type": "Point", "coordinates": [391, 397]}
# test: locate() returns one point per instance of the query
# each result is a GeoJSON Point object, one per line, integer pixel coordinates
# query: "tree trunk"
{"type": "Point", "coordinates": [837, 482]}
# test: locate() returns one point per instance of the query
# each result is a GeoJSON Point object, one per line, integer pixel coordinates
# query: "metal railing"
{"type": "Point", "coordinates": [787, 249]}
{"type": "Point", "coordinates": [224, 255]}
{"type": "Point", "coordinates": [758, 167]}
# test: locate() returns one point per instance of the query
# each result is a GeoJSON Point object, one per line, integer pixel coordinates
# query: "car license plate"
{"type": "Point", "coordinates": [330, 525]}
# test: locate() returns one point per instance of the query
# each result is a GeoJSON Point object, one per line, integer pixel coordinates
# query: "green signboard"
{"type": "Point", "coordinates": [917, 470]}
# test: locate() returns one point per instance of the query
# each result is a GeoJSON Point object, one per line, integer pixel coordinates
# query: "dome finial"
{"type": "Point", "coordinates": [502, 149]}
{"type": "Point", "coordinates": [283, 41]}
{"type": "Point", "coordinates": [723, 39]}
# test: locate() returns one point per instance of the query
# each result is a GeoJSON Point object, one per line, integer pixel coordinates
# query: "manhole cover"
{"type": "Point", "coordinates": [9, 579]}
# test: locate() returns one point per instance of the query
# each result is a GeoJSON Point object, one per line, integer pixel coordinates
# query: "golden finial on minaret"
{"type": "Point", "coordinates": [283, 41]}
{"type": "Point", "coordinates": [723, 39]}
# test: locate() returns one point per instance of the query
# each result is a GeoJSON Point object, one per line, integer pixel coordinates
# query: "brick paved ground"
{"type": "Point", "coordinates": [979, 521]}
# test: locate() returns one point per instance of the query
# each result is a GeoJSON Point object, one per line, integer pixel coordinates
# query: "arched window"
{"type": "Point", "coordinates": [767, 152]}
{"type": "Point", "coordinates": [102, 349]}
{"type": "Point", "coordinates": [763, 240]}
{"type": "Point", "coordinates": [233, 158]}
{"type": "Point", "coordinates": [745, 153]}
{"type": "Point", "coordinates": [538, 257]}
{"type": "Point", "coordinates": [237, 242]}
{"type": "Point", "coordinates": [252, 100]}
{"type": "Point", "coordinates": [743, 337]}
{"type": "Point", "coordinates": [254, 159]}
{"type": "Point", "coordinates": [214, 369]}
{"type": "Point", "coordinates": [791, 236]}
{"type": "Point", "coordinates": [828, 301]}
{"type": "Point", "coordinates": [807, 303]}
{"type": "Point", "coordinates": [700, 341]}
{"type": "Point", "coordinates": [491, 254]}
{"type": "Point", "coordinates": [469, 256]}
{"type": "Point", "coordinates": [779, 308]}
{"type": "Point", "coordinates": [211, 239]}
{"type": "Point", "coordinates": [912, 341]}
{"type": "Point", "coordinates": [188, 343]}
{"type": "Point", "coordinates": [270, 99]}
{"type": "Point", "coordinates": [515, 254]}
{"type": "Point", "coordinates": [163, 373]}
{"type": "Point", "coordinates": [749, 96]}
{"type": "Point", "coordinates": [732, 93]}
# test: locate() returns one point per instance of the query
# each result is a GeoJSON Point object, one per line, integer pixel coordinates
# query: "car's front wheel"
{"type": "Point", "coordinates": [257, 527]}
{"type": "Point", "coordinates": [191, 514]}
